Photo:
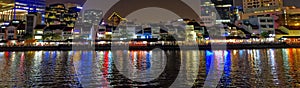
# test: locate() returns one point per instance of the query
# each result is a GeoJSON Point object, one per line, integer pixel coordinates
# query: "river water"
{"type": "Point", "coordinates": [188, 68]}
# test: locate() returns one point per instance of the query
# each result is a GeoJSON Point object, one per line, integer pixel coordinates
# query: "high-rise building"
{"type": "Point", "coordinates": [58, 14]}
{"type": "Point", "coordinates": [32, 20]}
{"type": "Point", "coordinates": [92, 16]}
{"type": "Point", "coordinates": [261, 7]}
{"type": "Point", "coordinates": [72, 16]}
{"type": "Point", "coordinates": [54, 14]}
{"type": "Point", "coordinates": [17, 9]}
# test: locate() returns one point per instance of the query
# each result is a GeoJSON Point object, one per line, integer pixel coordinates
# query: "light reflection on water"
{"type": "Point", "coordinates": [241, 68]}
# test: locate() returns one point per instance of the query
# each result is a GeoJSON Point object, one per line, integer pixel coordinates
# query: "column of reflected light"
{"type": "Point", "coordinates": [103, 80]}
{"type": "Point", "coordinates": [286, 66]}
{"type": "Point", "coordinates": [274, 66]}
{"type": "Point", "coordinates": [37, 63]}
{"type": "Point", "coordinates": [227, 68]}
{"type": "Point", "coordinates": [257, 67]}
{"type": "Point", "coordinates": [76, 58]}
{"type": "Point", "coordinates": [21, 72]}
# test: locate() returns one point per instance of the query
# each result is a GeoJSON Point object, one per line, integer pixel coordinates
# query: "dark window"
{"type": "Point", "coordinates": [271, 26]}
{"type": "Point", "coordinates": [10, 37]}
{"type": "Point", "coordinates": [270, 20]}
{"type": "Point", "coordinates": [101, 30]}
{"type": "Point", "coordinates": [147, 30]}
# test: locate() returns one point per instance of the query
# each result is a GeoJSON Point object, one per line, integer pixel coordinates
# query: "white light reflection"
{"type": "Point", "coordinates": [273, 66]}
{"type": "Point", "coordinates": [13, 55]}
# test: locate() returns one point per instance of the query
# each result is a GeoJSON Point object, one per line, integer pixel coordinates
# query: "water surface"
{"type": "Point", "coordinates": [237, 68]}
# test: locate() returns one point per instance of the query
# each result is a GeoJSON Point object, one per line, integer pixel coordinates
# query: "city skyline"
{"type": "Point", "coordinates": [164, 14]}
{"type": "Point", "coordinates": [238, 2]}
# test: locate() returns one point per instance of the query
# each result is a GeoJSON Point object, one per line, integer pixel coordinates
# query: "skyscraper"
{"type": "Point", "coordinates": [17, 9]}
{"type": "Point", "coordinates": [92, 16]}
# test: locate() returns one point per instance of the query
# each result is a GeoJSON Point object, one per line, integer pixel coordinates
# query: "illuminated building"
{"type": "Point", "coordinates": [261, 7]}
{"type": "Point", "coordinates": [223, 9]}
{"type": "Point", "coordinates": [58, 14]}
{"type": "Point", "coordinates": [39, 31]}
{"type": "Point", "coordinates": [115, 19]}
{"type": "Point", "coordinates": [290, 22]}
{"type": "Point", "coordinates": [291, 17]}
{"type": "Point", "coordinates": [17, 9]}
{"type": "Point", "coordinates": [67, 33]}
{"type": "Point", "coordinates": [15, 30]}
{"type": "Point", "coordinates": [11, 33]}
{"type": "Point", "coordinates": [85, 21]}
{"type": "Point", "coordinates": [71, 16]}
{"type": "Point", "coordinates": [70, 5]}
{"type": "Point", "coordinates": [101, 32]}
{"type": "Point", "coordinates": [92, 16]}
{"type": "Point", "coordinates": [264, 23]}
{"type": "Point", "coordinates": [207, 16]}
{"type": "Point", "coordinates": [251, 6]}
{"type": "Point", "coordinates": [54, 14]}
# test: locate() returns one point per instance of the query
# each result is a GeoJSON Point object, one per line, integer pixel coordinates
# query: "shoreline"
{"type": "Point", "coordinates": [151, 47]}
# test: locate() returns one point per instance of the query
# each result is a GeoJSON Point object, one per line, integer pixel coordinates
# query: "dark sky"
{"type": "Point", "coordinates": [65, 1]}
{"type": "Point", "coordinates": [292, 3]}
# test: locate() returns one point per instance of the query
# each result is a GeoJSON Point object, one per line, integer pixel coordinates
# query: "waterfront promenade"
{"type": "Point", "coordinates": [149, 47]}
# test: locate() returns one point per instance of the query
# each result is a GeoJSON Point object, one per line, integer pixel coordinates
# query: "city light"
{"type": "Point", "coordinates": [79, 7]}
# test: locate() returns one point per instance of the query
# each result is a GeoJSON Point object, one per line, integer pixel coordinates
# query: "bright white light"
{"type": "Point", "coordinates": [78, 7]}
{"type": "Point", "coordinates": [39, 32]}
{"type": "Point", "coordinates": [145, 42]}
{"type": "Point", "coordinates": [180, 20]}
{"type": "Point", "coordinates": [37, 37]}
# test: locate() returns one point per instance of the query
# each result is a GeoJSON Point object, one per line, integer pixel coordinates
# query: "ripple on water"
{"type": "Point", "coordinates": [242, 68]}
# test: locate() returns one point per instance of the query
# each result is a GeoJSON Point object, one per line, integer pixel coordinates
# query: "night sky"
{"type": "Point", "coordinates": [65, 1]}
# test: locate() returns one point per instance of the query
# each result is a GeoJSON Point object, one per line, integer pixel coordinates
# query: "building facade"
{"type": "Point", "coordinates": [92, 16]}
{"type": "Point", "coordinates": [264, 23]}
{"type": "Point", "coordinates": [207, 15]}
{"type": "Point", "coordinates": [251, 6]}
{"type": "Point", "coordinates": [58, 14]}
{"type": "Point", "coordinates": [261, 7]}
{"type": "Point", "coordinates": [17, 9]}
{"type": "Point", "coordinates": [223, 8]}
{"type": "Point", "coordinates": [32, 20]}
